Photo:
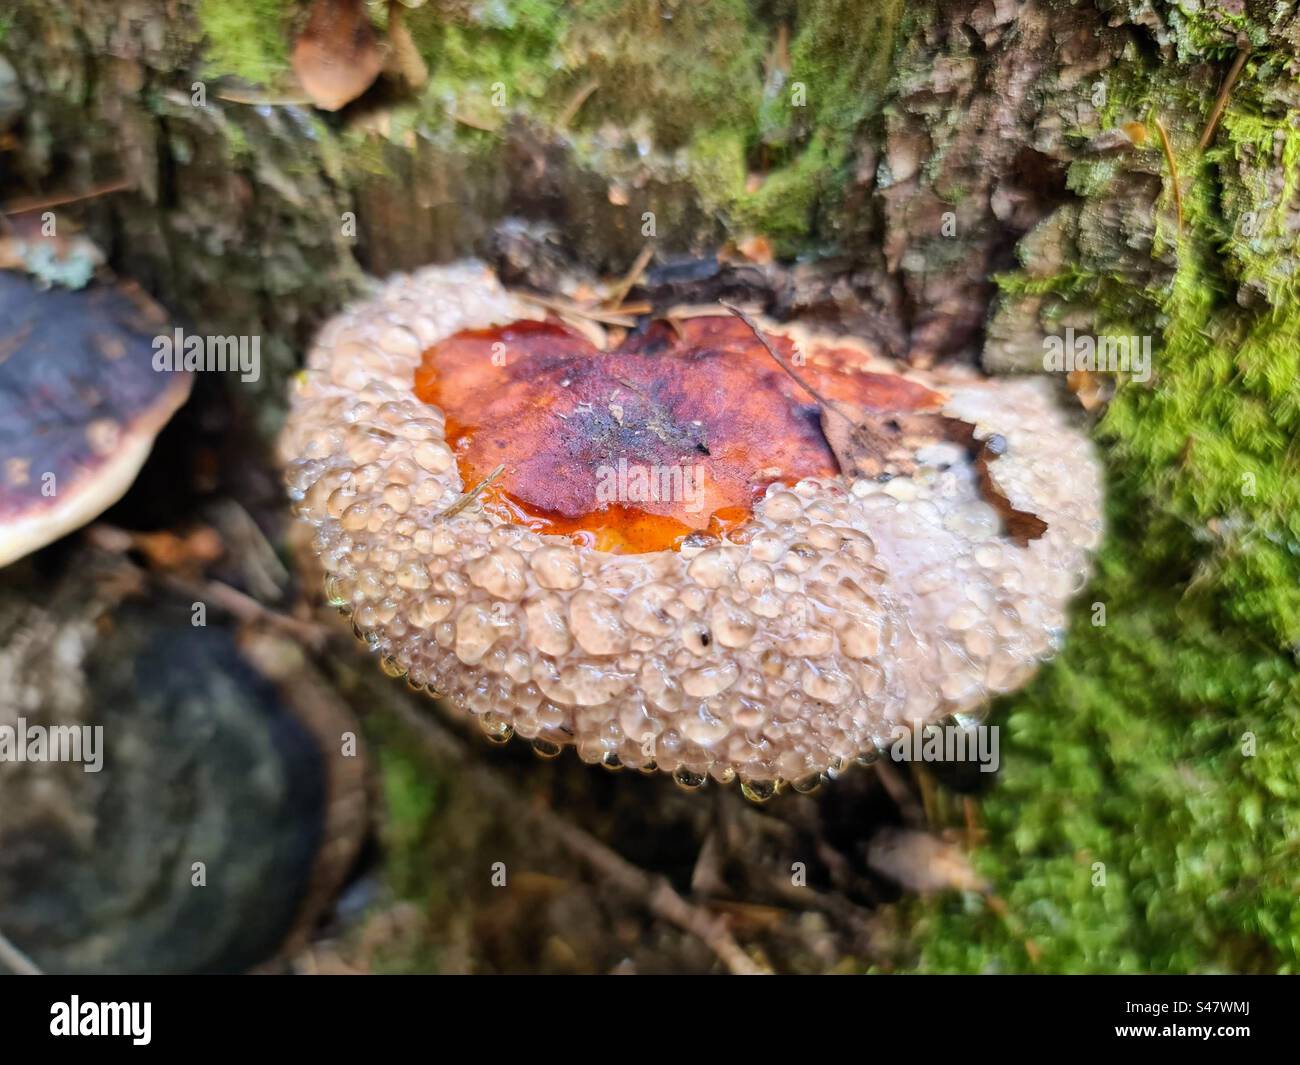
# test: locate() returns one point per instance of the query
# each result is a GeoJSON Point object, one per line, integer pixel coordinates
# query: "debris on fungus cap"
{"type": "Point", "coordinates": [80, 405]}
{"type": "Point", "coordinates": [834, 576]}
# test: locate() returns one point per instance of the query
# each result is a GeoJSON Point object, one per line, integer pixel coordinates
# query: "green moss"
{"type": "Point", "coordinates": [237, 144]}
{"type": "Point", "coordinates": [412, 802]}
{"type": "Point", "coordinates": [683, 67]}
{"type": "Point", "coordinates": [497, 55]}
{"type": "Point", "coordinates": [1129, 752]}
{"type": "Point", "coordinates": [783, 206]}
{"type": "Point", "coordinates": [717, 167]}
{"type": "Point", "coordinates": [1260, 249]}
{"type": "Point", "coordinates": [800, 135]}
{"type": "Point", "coordinates": [248, 39]}
{"type": "Point", "coordinates": [840, 60]}
{"type": "Point", "coordinates": [1162, 744]}
{"type": "Point", "coordinates": [690, 86]}
{"type": "Point", "coordinates": [842, 51]}
{"type": "Point", "coordinates": [691, 76]}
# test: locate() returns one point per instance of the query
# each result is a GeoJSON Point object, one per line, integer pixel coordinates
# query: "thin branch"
{"type": "Point", "coordinates": [929, 793]}
{"type": "Point", "coordinates": [1234, 72]}
{"type": "Point", "coordinates": [24, 206]}
{"type": "Point", "coordinates": [762, 339]}
{"type": "Point", "coordinates": [898, 790]}
{"type": "Point", "coordinates": [257, 99]}
{"type": "Point", "coordinates": [594, 314]}
{"type": "Point", "coordinates": [473, 123]}
{"type": "Point", "coordinates": [239, 605]}
{"type": "Point", "coordinates": [15, 960]}
{"type": "Point", "coordinates": [620, 291]}
{"type": "Point", "coordinates": [247, 609]}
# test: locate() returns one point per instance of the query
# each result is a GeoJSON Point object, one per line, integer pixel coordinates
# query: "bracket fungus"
{"type": "Point", "coordinates": [667, 554]}
{"type": "Point", "coordinates": [80, 405]}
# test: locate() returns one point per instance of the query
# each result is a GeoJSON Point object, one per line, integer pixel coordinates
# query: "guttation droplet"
{"type": "Point", "coordinates": [496, 729]}
{"type": "Point", "coordinates": [759, 790]}
{"type": "Point", "coordinates": [685, 778]}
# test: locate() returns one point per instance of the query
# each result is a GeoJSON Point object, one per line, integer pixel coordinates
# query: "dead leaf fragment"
{"type": "Point", "coordinates": [872, 444]}
{"type": "Point", "coordinates": [755, 248]}
{"type": "Point", "coordinates": [881, 438]}
{"type": "Point", "coordinates": [879, 444]}
{"type": "Point", "coordinates": [922, 862]}
{"type": "Point", "coordinates": [1092, 390]}
{"type": "Point", "coordinates": [1021, 525]}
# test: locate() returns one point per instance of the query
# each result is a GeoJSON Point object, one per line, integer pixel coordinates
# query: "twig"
{"type": "Point", "coordinates": [1234, 72]}
{"type": "Point", "coordinates": [654, 892]}
{"type": "Point", "coordinates": [620, 291]}
{"type": "Point", "coordinates": [1173, 169]}
{"type": "Point", "coordinates": [247, 609]}
{"type": "Point", "coordinates": [24, 206]}
{"type": "Point", "coordinates": [575, 103]}
{"type": "Point", "coordinates": [471, 495]}
{"type": "Point", "coordinates": [404, 57]}
{"type": "Point", "coordinates": [240, 605]}
{"type": "Point", "coordinates": [595, 314]}
{"type": "Point", "coordinates": [256, 99]}
{"type": "Point", "coordinates": [15, 960]}
{"type": "Point", "coordinates": [929, 794]}
{"type": "Point", "coordinates": [974, 834]}
{"type": "Point", "coordinates": [826, 403]}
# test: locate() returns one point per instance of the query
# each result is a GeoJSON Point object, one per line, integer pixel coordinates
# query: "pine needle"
{"type": "Point", "coordinates": [1173, 169]}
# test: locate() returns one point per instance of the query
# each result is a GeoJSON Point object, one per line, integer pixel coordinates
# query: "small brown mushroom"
{"type": "Point", "coordinates": [337, 57]}
{"type": "Point", "coordinates": [454, 450]}
{"type": "Point", "coordinates": [80, 405]}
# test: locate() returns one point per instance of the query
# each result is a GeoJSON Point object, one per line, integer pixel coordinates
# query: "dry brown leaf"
{"type": "Point", "coordinates": [755, 249]}
{"type": "Point", "coordinates": [922, 862]}
{"type": "Point", "coordinates": [875, 444]}
{"type": "Point", "coordinates": [1092, 390]}
{"type": "Point", "coordinates": [881, 437]}
{"type": "Point", "coordinates": [1021, 525]}
{"type": "Point", "coordinates": [868, 444]}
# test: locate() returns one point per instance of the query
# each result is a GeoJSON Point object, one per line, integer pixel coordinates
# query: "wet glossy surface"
{"type": "Point", "coordinates": [678, 430]}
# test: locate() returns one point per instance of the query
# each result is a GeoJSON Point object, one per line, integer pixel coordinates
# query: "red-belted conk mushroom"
{"type": "Point", "coordinates": [724, 548]}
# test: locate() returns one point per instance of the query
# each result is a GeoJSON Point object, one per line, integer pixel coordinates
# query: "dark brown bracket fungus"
{"type": "Point", "coordinates": [677, 566]}
{"type": "Point", "coordinates": [80, 405]}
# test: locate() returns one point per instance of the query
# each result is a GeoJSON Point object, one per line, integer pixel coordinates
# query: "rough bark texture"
{"type": "Point", "coordinates": [961, 180]}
